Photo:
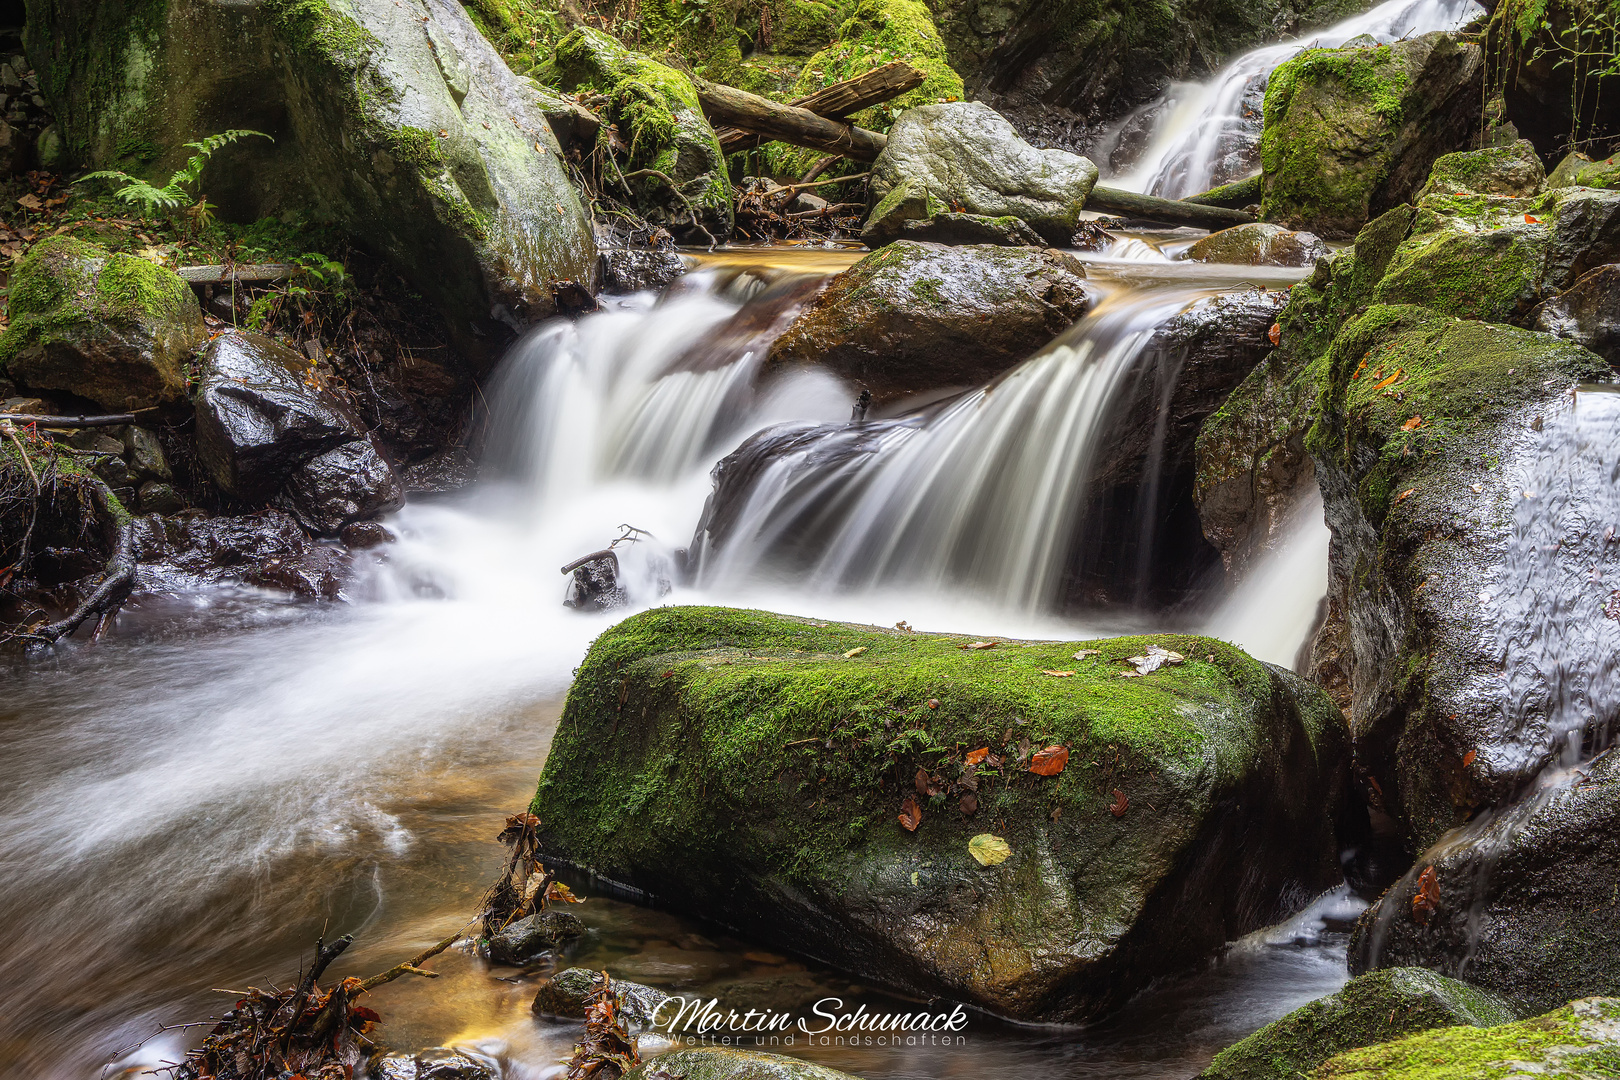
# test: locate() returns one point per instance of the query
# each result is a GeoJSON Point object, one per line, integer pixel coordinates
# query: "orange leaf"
{"type": "Point", "coordinates": [1404, 494]}
{"type": "Point", "coordinates": [933, 703]}
{"type": "Point", "coordinates": [1468, 758]}
{"type": "Point", "coordinates": [976, 756]}
{"type": "Point", "coordinates": [910, 814]}
{"type": "Point", "coordinates": [1275, 333]}
{"type": "Point", "coordinates": [1120, 803]}
{"type": "Point", "coordinates": [1528, 220]}
{"type": "Point", "coordinates": [1058, 674]}
{"type": "Point", "coordinates": [1398, 373]}
{"type": "Point", "coordinates": [1415, 422]}
{"type": "Point", "coordinates": [1049, 762]}
{"type": "Point", "coordinates": [1427, 897]}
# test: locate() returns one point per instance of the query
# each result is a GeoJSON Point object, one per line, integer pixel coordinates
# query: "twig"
{"type": "Point", "coordinates": [793, 189]}
{"type": "Point", "coordinates": [409, 967]}
{"type": "Point", "coordinates": [820, 167]}
{"type": "Point", "coordinates": [846, 206]}
{"type": "Point", "coordinates": [110, 420]}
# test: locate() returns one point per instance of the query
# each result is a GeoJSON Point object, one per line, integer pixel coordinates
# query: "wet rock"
{"type": "Point", "coordinates": [567, 994]}
{"type": "Point", "coordinates": [1526, 897]}
{"type": "Point", "coordinates": [528, 938]}
{"type": "Point", "coordinates": [261, 415]}
{"type": "Point", "coordinates": [1259, 244]}
{"type": "Point", "coordinates": [757, 834]}
{"type": "Point", "coordinates": [594, 584]}
{"type": "Point", "coordinates": [972, 229]}
{"type": "Point", "coordinates": [1588, 312]}
{"type": "Point", "coordinates": [156, 497]}
{"type": "Point", "coordinates": [574, 125]}
{"type": "Point", "coordinates": [403, 125]}
{"type": "Point", "coordinates": [1513, 170]}
{"type": "Point", "coordinates": [266, 549]}
{"type": "Point", "coordinates": [1350, 133]}
{"type": "Point", "coordinates": [1578, 170]}
{"type": "Point", "coordinates": [348, 483]}
{"type": "Point", "coordinates": [146, 453]}
{"type": "Point", "coordinates": [725, 1063]}
{"type": "Point", "coordinates": [109, 327]}
{"type": "Point", "coordinates": [1371, 1009]}
{"type": "Point", "coordinates": [963, 157]}
{"type": "Point", "coordinates": [656, 112]}
{"type": "Point", "coordinates": [438, 1063]}
{"type": "Point", "coordinates": [448, 470]}
{"type": "Point", "coordinates": [360, 535]}
{"type": "Point", "coordinates": [916, 317]}
{"type": "Point", "coordinates": [1580, 1041]}
{"type": "Point", "coordinates": [1585, 234]}
{"type": "Point", "coordinates": [627, 270]}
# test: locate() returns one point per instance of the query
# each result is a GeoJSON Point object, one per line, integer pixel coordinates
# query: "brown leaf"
{"type": "Point", "coordinates": [1427, 897]}
{"type": "Point", "coordinates": [1415, 422]}
{"type": "Point", "coordinates": [921, 781]}
{"type": "Point", "coordinates": [910, 814]}
{"type": "Point", "coordinates": [1275, 333]}
{"type": "Point", "coordinates": [1120, 804]}
{"type": "Point", "coordinates": [667, 674]}
{"type": "Point", "coordinates": [1611, 610]}
{"type": "Point", "coordinates": [1404, 494]}
{"type": "Point", "coordinates": [979, 645]}
{"type": "Point", "coordinates": [976, 756]}
{"type": "Point", "coordinates": [1049, 762]}
{"type": "Point", "coordinates": [1390, 378]}
{"type": "Point", "coordinates": [933, 703]}
{"type": "Point", "coordinates": [969, 804]}
{"type": "Point", "coordinates": [1083, 653]}
{"type": "Point", "coordinates": [1468, 758]}
{"type": "Point", "coordinates": [29, 202]}
{"type": "Point", "coordinates": [1058, 674]}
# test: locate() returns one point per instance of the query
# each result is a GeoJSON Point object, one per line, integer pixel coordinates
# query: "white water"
{"type": "Point", "coordinates": [1199, 126]}
{"type": "Point", "coordinates": [1272, 611]}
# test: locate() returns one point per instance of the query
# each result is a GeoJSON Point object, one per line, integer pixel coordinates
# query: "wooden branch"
{"type": "Point", "coordinates": [410, 967]}
{"type": "Point", "coordinates": [119, 581]}
{"type": "Point", "coordinates": [110, 420]}
{"type": "Point", "coordinates": [840, 100]}
{"type": "Point", "coordinates": [1130, 204]}
{"type": "Point", "coordinates": [224, 275]}
{"type": "Point", "coordinates": [786, 123]}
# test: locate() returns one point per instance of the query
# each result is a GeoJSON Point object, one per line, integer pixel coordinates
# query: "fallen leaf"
{"type": "Point", "coordinates": [1529, 220]}
{"type": "Point", "coordinates": [903, 626]}
{"type": "Point", "coordinates": [1120, 804]}
{"type": "Point", "coordinates": [557, 892]}
{"type": "Point", "coordinates": [1468, 758]}
{"type": "Point", "coordinates": [988, 850]}
{"type": "Point", "coordinates": [1058, 674]}
{"type": "Point", "coordinates": [1049, 762]}
{"type": "Point", "coordinates": [29, 202]}
{"type": "Point", "coordinates": [1415, 422]}
{"type": "Point", "coordinates": [976, 756]}
{"type": "Point", "coordinates": [979, 645]}
{"type": "Point", "coordinates": [1083, 653]}
{"type": "Point", "coordinates": [910, 814]}
{"type": "Point", "coordinates": [1157, 656]}
{"type": "Point", "coordinates": [1427, 897]}
{"type": "Point", "coordinates": [1404, 494]}
{"type": "Point", "coordinates": [969, 804]}
{"type": "Point", "coordinates": [1360, 368]}
{"type": "Point", "coordinates": [667, 674]}
{"type": "Point", "coordinates": [1611, 610]}
{"type": "Point", "coordinates": [922, 782]}
{"type": "Point", "coordinates": [933, 703]}
{"type": "Point", "coordinates": [853, 653]}
{"type": "Point", "coordinates": [1275, 333]}
{"type": "Point", "coordinates": [1389, 379]}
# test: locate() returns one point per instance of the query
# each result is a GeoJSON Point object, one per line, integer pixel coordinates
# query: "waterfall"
{"type": "Point", "coordinates": [1199, 135]}
{"type": "Point", "coordinates": [1272, 611]}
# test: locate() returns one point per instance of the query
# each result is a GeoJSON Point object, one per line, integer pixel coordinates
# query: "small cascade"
{"type": "Point", "coordinates": [1199, 135]}
{"type": "Point", "coordinates": [1272, 611]}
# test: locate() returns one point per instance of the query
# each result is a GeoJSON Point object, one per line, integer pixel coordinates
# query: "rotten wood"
{"type": "Point", "coordinates": [1131, 204]}
{"type": "Point", "coordinates": [247, 272]}
{"type": "Point", "coordinates": [838, 101]}
{"type": "Point", "coordinates": [786, 123]}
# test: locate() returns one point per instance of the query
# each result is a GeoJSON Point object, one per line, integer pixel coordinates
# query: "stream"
{"type": "Point", "coordinates": [190, 803]}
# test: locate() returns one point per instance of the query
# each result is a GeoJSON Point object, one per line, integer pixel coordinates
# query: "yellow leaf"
{"type": "Point", "coordinates": [853, 653]}
{"type": "Point", "coordinates": [988, 850]}
{"type": "Point", "coordinates": [1058, 674]}
{"type": "Point", "coordinates": [1398, 373]}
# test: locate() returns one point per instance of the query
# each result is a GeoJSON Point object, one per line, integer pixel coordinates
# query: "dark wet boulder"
{"type": "Point", "coordinates": [661, 125]}
{"type": "Point", "coordinates": [347, 484]}
{"type": "Point", "coordinates": [916, 317]}
{"type": "Point", "coordinates": [727, 1063]}
{"type": "Point", "coordinates": [953, 228]}
{"type": "Point", "coordinates": [1259, 244]}
{"type": "Point", "coordinates": [568, 994]}
{"type": "Point", "coordinates": [1523, 900]}
{"type": "Point", "coordinates": [964, 157]}
{"type": "Point", "coordinates": [1108, 830]}
{"type": "Point", "coordinates": [529, 937]}
{"type": "Point", "coordinates": [1588, 312]}
{"type": "Point", "coordinates": [1371, 1009]}
{"type": "Point", "coordinates": [1350, 133]}
{"type": "Point", "coordinates": [627, 270]}
{"type": "Point", "coordinates": [1513, 170]}
{"type": "Point", "coordinates": [262, 413]}
{"type": "Point", "coordinates": [109, 327]}
{"type": "Point", "coordinates": [267, 549]}
{"type": "Point", "coordinates": [402, 126]}
{"type": "Point", "coordinates": [438, 1063]}
{"type": "Point", "coordinates": [361, 535]}
{"type": "Point", "coordinates": [1580, 1041]}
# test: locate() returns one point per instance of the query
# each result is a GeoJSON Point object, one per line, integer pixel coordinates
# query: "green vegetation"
{"type": "Point", "coordinates": [181, 188]}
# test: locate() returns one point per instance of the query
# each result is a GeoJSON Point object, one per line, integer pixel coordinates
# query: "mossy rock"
{"type": "Point", "coordinates": [1454, 266]}
{"type": "Point", "coordinates": [749, 768]}
{"type": "Point", "coordinates": [724, 1063]}
{"type": "Point", "coordinates": [1578, 170]}
{"type": "Point", "coordinates": [1350, 133]}
{"type": "Point", "coordinates": [1259, 244]}
{"type": "Point", "coordinates": [656, 111]}
{"type": "Point", "coordinates": [1578, 1042]}
{"type": "Point", "coordinates": [1370, 1009]}
{"type": "Point", "coordinates": [568, 994]}
{"type": "Point", "coordinates": [1514, 169]}
{"type": "Point", "coordinates": [109, 327]}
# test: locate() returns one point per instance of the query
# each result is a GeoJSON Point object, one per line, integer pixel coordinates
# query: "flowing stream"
{"type": "Point", "coordinates": [188, 804]}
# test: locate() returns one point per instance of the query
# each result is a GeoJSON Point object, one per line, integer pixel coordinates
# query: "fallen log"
{"type": "Point", "coordinates": [1236, 195]}
{"type": "Point", "coordinates": [40, 420]}
{"type": "Point", "coordinates": [1131, 204]}
{"type": "Point", "coordinates": [218, 274]}
{"type": "Point", "coordinates": [786, 123]}
{"type": "Point", "coordinates": [838, 101]}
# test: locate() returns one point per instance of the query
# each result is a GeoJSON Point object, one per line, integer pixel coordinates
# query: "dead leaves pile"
{"type": "Point", "coordinates": [606, 1052]}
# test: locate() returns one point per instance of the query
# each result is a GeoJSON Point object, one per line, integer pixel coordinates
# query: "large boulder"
{"type": "Point", "coordinates": [917, 316]}
{"type": "Point", "coordinates": [1513, 169]}
{"type": "Point", "coordinates": [1350, 133]}
{"type": "Point", "coordinates": [1370, 1009]}
{"type": "Point", "coordinates": [1521, 902]}
{"type": "Point", "coordinates": [671, 158]}
{"type": "Point", "coordinates": [1578, 1042]}
{"type": "Point", "coordinates": [109, 327]}
{"type": "Point", "coordinates": [964, 157]}
{"type": "Point", "coordinates": [346, 484]}
{"type": "Point", "coordinates": [1065, 835]}
{"type": "Point", "coordinates": [1587, 312]}
{"type": "Point", "coordinates": [399, 123]}
{"type": "Point", "coordinates": [266, 549]}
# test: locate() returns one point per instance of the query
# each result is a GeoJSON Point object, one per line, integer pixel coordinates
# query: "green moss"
{"type": "Point", "coordinates": [927, 290]}
{"type": "Point", "coordinates": [1493, 274]}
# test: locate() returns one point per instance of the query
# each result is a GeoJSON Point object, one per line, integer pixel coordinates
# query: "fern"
{"type": "Point", "coordinates": [175, 193]}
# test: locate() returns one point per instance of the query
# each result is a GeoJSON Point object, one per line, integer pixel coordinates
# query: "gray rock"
{"type": "Point", "coordinates": [1587, 312]}
{"type": "Point", "coordinates": [146, 454]}
{"type": "Point", "coordinates": [574, 125]}
{"type": "Point", "coordinates": [972, 229]}
{"type": "Point", "coordinates": [260, 415]}
{"type": "Point", "coordinates": [724, 1063]}
{"type": "Point", "coordinates": [346, 484]}
{"type": "Point", "coordinates": [568, 993]}
{"type": "Point", "coordinates": [155, 497]}
{"type": "Point", "coordinates": [1514, 169]}
{"type": "Point", "coordinates": [50, 150]}
{"type": "Point", "coordinates": [1578, 170]}
{"type": "Point", "coordinates": [963, 157]}
{"type": "Point", "coordinates": [1259, 244]}
{"type": "Point", "coordinates": [627, 270]}
{"type": "Point", "coordinates": [437, 1063]}
{"type": "Point", "coordinates": [529, 937]}
{"type": "Point", "coordinates": [266, 549]}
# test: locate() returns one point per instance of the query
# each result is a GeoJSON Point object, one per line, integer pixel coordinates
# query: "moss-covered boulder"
{"type": "Point", "coordinates": [1370, 1009]}
{"type": "Point", "coordinates": [1350, 133]}
{"type": "Point", "coordinates": [109, 327]}
{"type": "Point", "coordinates": [397, 121]}
{"type": "Point", "coordinates": [1523, 902]}
{"type": "Point", "coordinates": [1578, 1042]}
{"type": "Point", "coordinates": [964, 157]}
{"type": "Point", "coordinates": [1578, 170]}
{"type": "Point", "coordinates": [1514, 169]}
{"type": "Point", "coordinates": [724, 1063]}
{"type": "Point", "coordinates": [1488, 267]}
{"type": "Point", "coordinates": [1259, 244]}
{"type": "Point", "coordinates": [1016, 826]}
{"type": "Point", "coordinates": [916, 317]}
{"type": "Point", "coordinates": [670, 156]}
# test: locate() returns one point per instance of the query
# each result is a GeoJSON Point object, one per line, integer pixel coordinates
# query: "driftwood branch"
{"type": "Point", "coordinates": [1130, 204]}
{"type": "Point", "coordinates": [119, 579]}
{"type": "Point", "coordinates": [786, 123]}
{"type": "Point", "coordinates": [838, 101]}
{"type": "Point", "coordinates": [219, 274]}
{"type": "Point", "coordinates": [413, 966]}
{"type": "Point", "coordinates": [109, 420]}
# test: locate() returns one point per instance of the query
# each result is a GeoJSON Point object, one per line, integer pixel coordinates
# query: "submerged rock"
{"type": "Point", "coordinates": [1259, 244]}
{"type": "Point", "coordinates": [1588, 312]}
{"type": "Point", "coordinates": [266, 549]}
{"type": "Point", "coordinates": [1149, 819]}
{"type": "Point", "coordinates": [627, 270]}
{"type": "Point", "coordinates": [963, 157]}
{"type": "Point", "coordinates": [1351, 132]}
{"type": "Point", "coordinates": [725, 1063]}
{"type": "Point", "coordinates": [915, 317]}
{"type": "Point", "coordinates": [109, 327]}
{"type": "Point", "coordinates": [568, 994]}
{"type": "Point", "coordinates": [1370, 1009]}
{"type": "Point", "coordinates": [527, 938]}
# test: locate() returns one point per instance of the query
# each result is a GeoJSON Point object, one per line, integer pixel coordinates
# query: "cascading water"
{"type": "Point", "coordinates": [1200, 135]}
